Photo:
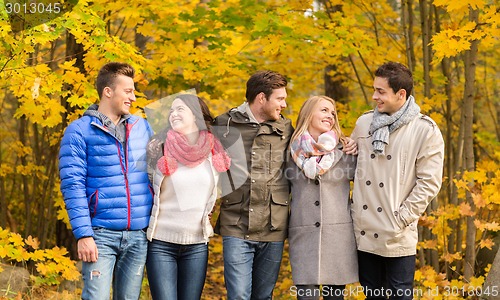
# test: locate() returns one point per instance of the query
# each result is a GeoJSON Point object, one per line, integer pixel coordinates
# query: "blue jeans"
{"type": "Point", "coordinates": [250, 268]}
{"type": "Point", "coordinates": [176, 271]}
{"type": "Point", "coordinates": [121, 259]}
{"type": "Point", "coordinates": [386, 276]}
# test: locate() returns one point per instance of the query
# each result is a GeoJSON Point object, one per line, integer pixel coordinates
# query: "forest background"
{"type": "Point", "coordinates": [47, 75]}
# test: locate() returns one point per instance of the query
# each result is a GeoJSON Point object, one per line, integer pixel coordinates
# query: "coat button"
{"type": "Point", "coordinates": [379, 209]}
{"type": "Point", "coordinates": [365, 207]}
{"type": "Point", "coordinates": [396, 213]}
{"type": "Point", "coordinates": [316, 181]}
{"type": "Point", "coordinates": [362, 232]}
{"type": "Point", "coordinates": [381, 184]}
{"type": "Point", "coordinates": [368, 182]}
{"type": "Point", "coordinates": [389, 157]}
{"type": "Point", "coordinates": [317, 224]}
{"type": "Point", "coordinates": [375, 235]}
{"type": "Point", "coordinates": [316, 203]}
{"type": "Point", "coordinates": [372, 155]}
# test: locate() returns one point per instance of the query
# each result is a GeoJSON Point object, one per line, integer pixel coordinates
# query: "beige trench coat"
{"type": "Point", "coordinates": [321, 236]}
{"type": "Point", "coordinates": [392, 190]}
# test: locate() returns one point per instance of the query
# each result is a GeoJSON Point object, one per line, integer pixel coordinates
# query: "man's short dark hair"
{"type": "Point", "coordinates": [398, 76]}
{"type": "Point", "coordinates": [264, 82]}
{"type": "Point", "coordinates": [108, 73]}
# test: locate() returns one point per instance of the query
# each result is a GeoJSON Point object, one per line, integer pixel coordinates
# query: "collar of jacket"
{"type": "Point", "coordinates": [278, 126]}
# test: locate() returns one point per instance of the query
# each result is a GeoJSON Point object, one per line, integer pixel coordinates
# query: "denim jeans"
{"type": "Point", "coordinates": [120, 262]}
{"type": "Point", "coordinates": [176, 271]}
{"type": "Point", "coordinates": [383, 277]}
{"type": "Point", "coordinates": [250, 268]}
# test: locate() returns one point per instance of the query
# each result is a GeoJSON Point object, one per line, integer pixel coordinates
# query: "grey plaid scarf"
{"type": "Point", "coordinates": [383, 124]}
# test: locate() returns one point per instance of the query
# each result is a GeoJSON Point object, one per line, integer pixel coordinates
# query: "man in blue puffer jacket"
{"type": "Point", "coordinates": [104, 182]}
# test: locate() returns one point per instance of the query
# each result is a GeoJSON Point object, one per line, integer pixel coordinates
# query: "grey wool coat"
{"type": "Point", "coordinates": [321, 237]}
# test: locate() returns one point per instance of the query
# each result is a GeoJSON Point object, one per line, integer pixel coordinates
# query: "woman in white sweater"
{"type": "Point", "coordinates": [186, 159]}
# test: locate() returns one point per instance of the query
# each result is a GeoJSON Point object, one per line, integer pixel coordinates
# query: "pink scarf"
{"type": "Point", "coordinates": [177, 150]}
{"type": "Point", "coordinates": [314, 158]}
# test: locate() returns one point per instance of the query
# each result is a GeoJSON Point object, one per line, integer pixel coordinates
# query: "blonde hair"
{"type": "Point", "coordinates": [305, 117]}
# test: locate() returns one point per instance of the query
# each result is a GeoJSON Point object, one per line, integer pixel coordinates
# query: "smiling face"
{"type": "Point", "coordinates": [181, 118]}
{"type": "Point", "coordinates": [270, 109]}
{"type": "Point", "coordinates": [120, 97]}
{"type": "Point", "coordinates": [387, 100]}
{"type": "Point", "coordinates": [322, 119]}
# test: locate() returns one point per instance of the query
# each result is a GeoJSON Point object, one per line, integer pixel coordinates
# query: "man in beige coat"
{"type": "Point", "coordinates": [398, 174]}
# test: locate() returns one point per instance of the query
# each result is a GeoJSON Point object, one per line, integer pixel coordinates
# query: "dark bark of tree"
{"type": "Point", "coordinates": [408, 20]}
{"type": "Point", "coordinates": [430, 255]}
{"type": "Point", "coordinates": [334, 84]}
{"type": "Point", "coordinates": [334, 87]}
{"type": "Point", "coordinates": [470, 61]}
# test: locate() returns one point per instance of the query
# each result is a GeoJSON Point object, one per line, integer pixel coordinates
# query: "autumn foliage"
{"type": "Point", "coordinates": [47, 75]}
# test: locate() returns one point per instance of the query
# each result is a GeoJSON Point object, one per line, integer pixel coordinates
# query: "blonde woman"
{"type": "Point", "coordinates": [321, 236]}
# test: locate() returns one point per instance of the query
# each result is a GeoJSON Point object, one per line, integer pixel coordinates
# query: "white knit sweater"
{"type": "Point", "coordinates": [181, 204]}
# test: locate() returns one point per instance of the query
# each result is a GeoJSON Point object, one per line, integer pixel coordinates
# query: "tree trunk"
{"type": "Point", "coordinates": [334, 87]}
{"type": "Point", "coordinates": [492, 280]}
{"type": "Point", "coordinates": [431, 255]}
{"type": "Point", "coordinates": [469, 94]}
{"type": "Point", "coordinates": [3, 200]}
{"type": "Point", "coordinates": [408, 20]}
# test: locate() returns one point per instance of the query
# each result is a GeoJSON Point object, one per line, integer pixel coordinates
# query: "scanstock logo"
{"type": "Point", "coordinates": [26, 14]}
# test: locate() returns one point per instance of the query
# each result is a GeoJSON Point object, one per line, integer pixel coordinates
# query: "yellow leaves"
{"type": "Point", "coordinates": [453, 5]}
{"type": "Point", "coordinates": [448, 257]}
{"type": "Point", "coordinates": [479, 201]}
{"type": "Point", "coordinates": [490, 226]}
{"type": "Point", "coordinates": [427, 281]}
{"type": "Point", "coordinates": [16, 239]}
{"type": "Point", "coordinates": [476, 281]}
{"type": "Point", "coordinates": [449, 43]}
{"type": "Point", "coordinates": [5, 170]}
{"type": "Point", "coordinates": [53, 264]}
{"type": "Point", "coordinates": [33, 242]}
{"type": "Point", "coordinates": [486, 243]}
{"type": "Point", "coordinates": [465, 209]}
{"type": "Point", "coordinates": [38, 255]}
{"type": "Point", "coordinates": [3, 251]}
{"type": "Point", "coordinates": [271, 44]}
{"type": "Point", "coordinates": [457, 36]}
{"type": "Point", "coordinates": [428, 244]}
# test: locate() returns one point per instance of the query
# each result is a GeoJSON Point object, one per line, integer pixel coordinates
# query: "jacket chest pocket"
{"type": "Point", "coordinates": [276, 157]}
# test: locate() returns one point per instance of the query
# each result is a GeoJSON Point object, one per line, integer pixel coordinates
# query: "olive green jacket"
{"type": "Point", "coordinates": [255, 192]}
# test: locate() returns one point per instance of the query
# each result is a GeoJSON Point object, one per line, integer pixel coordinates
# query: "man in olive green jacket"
{"type": "Point", "coordinates": [254, 211]}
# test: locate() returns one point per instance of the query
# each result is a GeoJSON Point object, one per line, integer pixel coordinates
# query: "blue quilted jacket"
{"type": "Point", "coordinates": [103, 183]}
